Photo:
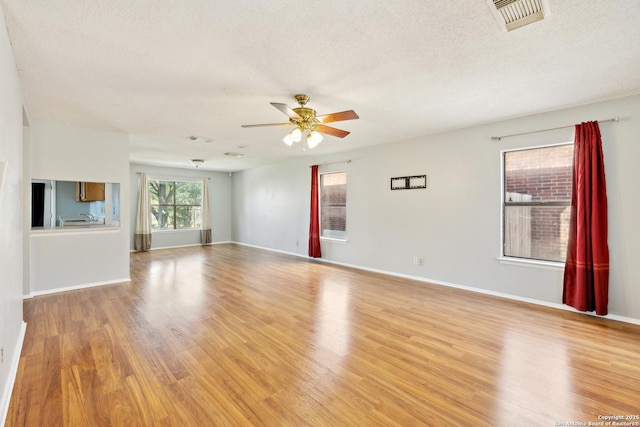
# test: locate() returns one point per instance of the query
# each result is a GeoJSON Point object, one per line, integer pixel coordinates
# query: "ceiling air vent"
{"type": "Point", "coordinates": [198, 139]}
{"type": "Point", "coordinates": [512, 14]}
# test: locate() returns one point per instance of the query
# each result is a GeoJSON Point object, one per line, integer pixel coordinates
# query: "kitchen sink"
{"type": "Point", "coordinates": [79, 221]}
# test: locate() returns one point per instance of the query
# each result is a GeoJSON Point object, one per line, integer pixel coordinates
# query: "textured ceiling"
{"type": "Point", "coordinates": [163, 70]}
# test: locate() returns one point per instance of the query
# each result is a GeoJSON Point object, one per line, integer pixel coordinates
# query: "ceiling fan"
{"type": "Point", "coordinates": [307, 124]}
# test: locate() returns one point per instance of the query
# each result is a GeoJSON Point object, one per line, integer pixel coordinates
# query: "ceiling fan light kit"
{"type": "Point", "coordinates": [308, 124]}
{"type": "Point", "coordinates": [314, 138]}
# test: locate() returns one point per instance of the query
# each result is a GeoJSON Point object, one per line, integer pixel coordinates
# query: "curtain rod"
{"type": "Point", "coordinates": [176, 178]}
{"type": "Point", "coordinates": [498, 138]}
{"type": "Point", "coordinates": [332, 163]}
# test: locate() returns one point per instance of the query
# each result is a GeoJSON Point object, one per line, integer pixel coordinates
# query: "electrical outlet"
{"type": "Point", "coordinates": [418, 261]}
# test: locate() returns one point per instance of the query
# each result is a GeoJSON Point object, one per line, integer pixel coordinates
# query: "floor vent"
{"type": "Point", "coordinates": [512, 14]}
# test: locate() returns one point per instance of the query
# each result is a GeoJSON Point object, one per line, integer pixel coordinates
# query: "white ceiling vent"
{"type": "Point", "coordinates": [198, 139]}
{"type": "Point", "coordinates": [512, 14]}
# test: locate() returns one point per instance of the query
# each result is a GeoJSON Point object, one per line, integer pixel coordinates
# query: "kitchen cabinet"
{"type": "Point", "coordinates": [89, 191]}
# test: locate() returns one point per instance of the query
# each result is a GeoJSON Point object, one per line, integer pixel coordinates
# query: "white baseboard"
{"type": "Point", "coordinates": [13, 372]}
{"type": "Point", "coordinates": [277, 250]}
{"type": "Point", "coordinates": [457, 286]}
{"type": "Point", "coordinates": [185, 246]}
{"type": "Point", "coordinates": [73, 288]}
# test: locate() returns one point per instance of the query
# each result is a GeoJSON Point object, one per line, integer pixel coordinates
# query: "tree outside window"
{"type": "Point", "coordinates": [175, 205]}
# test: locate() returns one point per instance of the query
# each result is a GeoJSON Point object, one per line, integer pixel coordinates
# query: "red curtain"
{"type": "Point", "coordinates": [314, 221]}
{"type": "Point", "coordinates": [586, 272]}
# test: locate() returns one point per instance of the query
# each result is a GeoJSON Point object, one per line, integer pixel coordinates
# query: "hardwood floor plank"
{"type": "Point", "coordinates": [107, 367]}
{"type": "Point", "coordinates": [149, 379]}
{"type": "Point", "coordinates": [229, 335]}
{"type": "Point", "coordinates": [220, 406]}
{"type": "Point", "coordinates": [74, 409]}
{"type": "Point", "coordinates": [122, 413]}
{"type": "Point", "coordinates": [50, 383]}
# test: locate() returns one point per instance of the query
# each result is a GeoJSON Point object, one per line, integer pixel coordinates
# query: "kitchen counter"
{"type": "Point", "coordinates": [90, 228]}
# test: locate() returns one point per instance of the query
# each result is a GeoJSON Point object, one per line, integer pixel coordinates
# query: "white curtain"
{"type": "Point", "coordinates": [205, 233]}
{"type": "Point", "coordinates": [143, 219]}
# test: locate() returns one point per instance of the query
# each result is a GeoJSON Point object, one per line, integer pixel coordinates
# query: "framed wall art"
{"type": "Point", "coordinates": [409, 182]}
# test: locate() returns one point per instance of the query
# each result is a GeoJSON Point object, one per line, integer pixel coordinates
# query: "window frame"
{"type": "Point", "coordinates": [524, 261]}
{"type": "Point", "coordinates": [176, 181]}
{"type": "Point", "coordinates": [320, 205]}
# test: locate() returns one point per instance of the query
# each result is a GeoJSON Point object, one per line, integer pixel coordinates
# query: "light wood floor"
{"type": "Point", "coordinates": [231, 335]}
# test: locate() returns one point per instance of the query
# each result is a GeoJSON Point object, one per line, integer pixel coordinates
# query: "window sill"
{"type": "Point", "coordinates": [333, 239]}
{"type": "Point", "coordinates": [548, 265]}
{"type": "Point", "coordinates": [179, 230]}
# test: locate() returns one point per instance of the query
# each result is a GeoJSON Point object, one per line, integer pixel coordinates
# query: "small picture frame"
{"type": "Point", "coordinates": [409, 182]}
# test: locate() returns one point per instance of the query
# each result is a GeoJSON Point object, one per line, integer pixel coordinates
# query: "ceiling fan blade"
{"type": "Point", "coordinates": [332, 131]}
{"type": "Point", "coordinates": [286, 110]}
{"type": "Point", "coordinates": [338, 117]}
{"type": "Point", "coordinates": [266, 124]}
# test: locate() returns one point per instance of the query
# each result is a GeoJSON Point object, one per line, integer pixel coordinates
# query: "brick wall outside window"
{"type": "Point", "coordinates": [333, 204]}
{"type": "Point", "coordinates": [540, 175]}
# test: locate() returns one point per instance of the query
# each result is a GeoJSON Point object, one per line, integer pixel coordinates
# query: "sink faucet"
{"type": "Point", "coordinates": [89, 216]}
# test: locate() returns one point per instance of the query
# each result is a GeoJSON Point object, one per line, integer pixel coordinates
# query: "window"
{"type": "Point", "coordinates": [333, 205]}
{"type": "Point", "coordinates": [536, 202]}
{"type": "Point", "coordinates": [175, 205]}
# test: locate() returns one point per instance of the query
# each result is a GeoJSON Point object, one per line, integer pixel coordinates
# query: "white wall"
{"type": "Point", "coordinates": [271, 206]}
{"type": "Point", "coordinates": [26, 210]}
{"type": "Point", "coordinates": [219, 198]}
{"type": "Point", "coordinates": [66, 260]}
{"type": "Point", "coordinates": [11, 225]}
{"type": "Point", "coordinates": [454, 224]}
